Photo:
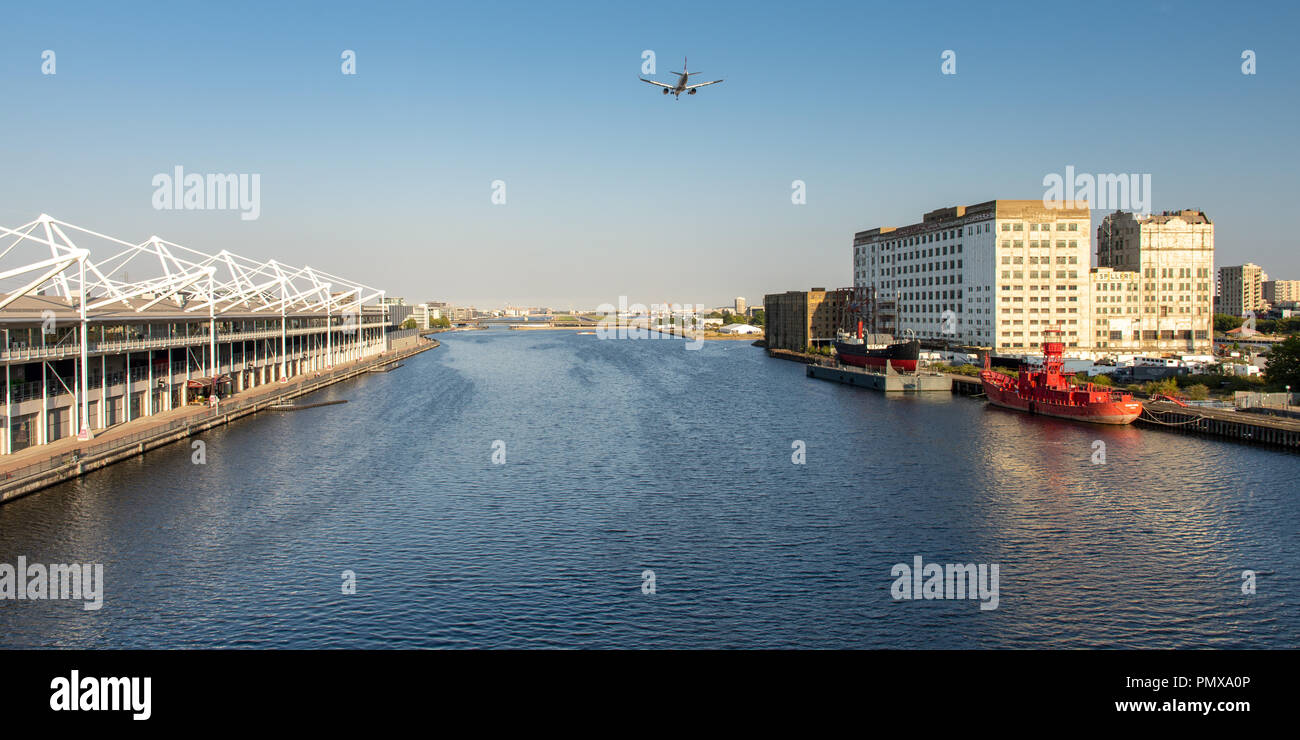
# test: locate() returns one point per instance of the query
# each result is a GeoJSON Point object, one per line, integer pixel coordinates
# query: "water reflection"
{"type": "Point", "coordinates": [627, 455]}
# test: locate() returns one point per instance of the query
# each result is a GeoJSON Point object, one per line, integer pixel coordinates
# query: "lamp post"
{"type": "Point", "coordinates": [84, 434]}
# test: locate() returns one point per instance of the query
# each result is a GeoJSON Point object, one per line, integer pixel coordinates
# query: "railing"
{"type": "Point", "coordinates": [123, 345]}
{"type": "Point", "coordinates": [27, 391]}
{"type": "Point", "coordinates": [19, 351]}
{"type": "Point", "coordinates": [31, 390]}
{"type": "Point", "coordinates": [1210, 404]}
{"type": "Point", "coordinates": [301, 387]}
{"type": "Point", "coordinates": [1248, 399]}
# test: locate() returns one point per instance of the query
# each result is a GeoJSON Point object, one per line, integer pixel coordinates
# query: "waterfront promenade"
{"type": "Point", "coordinates": [37, 467]}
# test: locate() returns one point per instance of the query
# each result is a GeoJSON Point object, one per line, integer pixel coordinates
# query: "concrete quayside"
{"type": "Point", "coordinates": [888, 382]}
{"type": "Point", "coordinates": [23, 475]}
{"type": "Point", "coordinates": [1250, 428]}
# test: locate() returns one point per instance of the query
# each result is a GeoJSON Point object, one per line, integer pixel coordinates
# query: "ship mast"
{"type": "Point", "coordinates": [1053, 348]}
{"type": "Point", "coordinates": [861, 309]}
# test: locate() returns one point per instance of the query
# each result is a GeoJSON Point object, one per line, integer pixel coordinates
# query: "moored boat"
{"type": "Point", "coordinates": [1050, 392]}
{"type": "Point", "coordinates": [875, 351]}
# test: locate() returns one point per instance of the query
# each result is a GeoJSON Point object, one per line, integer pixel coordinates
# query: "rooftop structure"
{"type": "Point", "coordinates": [65, 297]}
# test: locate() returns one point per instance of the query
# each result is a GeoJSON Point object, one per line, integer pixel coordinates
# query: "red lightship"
{"type": "Point", "coordinates": [1050, 392]}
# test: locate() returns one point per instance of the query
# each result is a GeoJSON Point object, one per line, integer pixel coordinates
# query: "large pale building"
{"type": "Point", "coordinates": [1241, 289]}
{"type": "Point", "coordinates": [994, 274]}
{"type": "Point", "coordinates": [1152, 291]}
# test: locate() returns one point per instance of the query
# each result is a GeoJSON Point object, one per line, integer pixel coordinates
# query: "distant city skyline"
{"type": "Point", "coordinates": [609, 188]}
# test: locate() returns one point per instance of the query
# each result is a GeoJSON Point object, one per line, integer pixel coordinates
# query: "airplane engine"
{"type": "Point", "coordinates": [691, 92]}
{"type": "Point", "coordinates": [666, 91]}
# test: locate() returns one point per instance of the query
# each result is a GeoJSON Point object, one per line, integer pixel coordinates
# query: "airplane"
{"type": "Point", "coordinates": [681, 86]}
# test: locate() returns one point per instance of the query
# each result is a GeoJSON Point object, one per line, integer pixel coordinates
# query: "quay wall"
{"type": "Point", "coordinates": [1249, 428]}
{"type": "Point", "coordinates": [91, 456]}
{"type": "Point", "coordinates": [1242, 427]}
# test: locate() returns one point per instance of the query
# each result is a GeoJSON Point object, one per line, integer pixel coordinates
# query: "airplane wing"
{"type": "Point", "coordinates": [660, 84]}
{"type": "Point", "coordinates": [702, 84]}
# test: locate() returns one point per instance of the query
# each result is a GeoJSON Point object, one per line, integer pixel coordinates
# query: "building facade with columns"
{"type": "Point", "coordinates": [1153, 289]}
{"type": "Point", "coordinates": [84, 349]}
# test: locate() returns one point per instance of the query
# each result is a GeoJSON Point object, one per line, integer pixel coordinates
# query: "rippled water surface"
{"type": "Point", "coordinates": [626, 456]}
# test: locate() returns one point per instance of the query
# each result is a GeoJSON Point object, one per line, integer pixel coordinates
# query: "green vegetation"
{"type": "Point", "coordinates": [440, 323]}
{"type": "Point", "coordinates": [1102, 380]}
{"type": "Point", "coordinates": [1284, 364]}
{"type": "Point", "coordinates": [967, 370]}
{"type": "Point", "coordinates": [1225, 384]}
{"type": "Point", "coordinates": [1224, 322]}
{"type": "Point", "coordinates": [759, 317]}
{"type": "Point", "coordinates": [1199, 387]}
{"type": "Point", "coordinates": [1290, 326]}
{"type": "Point", "coordinates": [409, 324]}
{"type": "Point", "coordinates": [1166, 387]}
{"type": "Point", "coordinates": [824, 351]}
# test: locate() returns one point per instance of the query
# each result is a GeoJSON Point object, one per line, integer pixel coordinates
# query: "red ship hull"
{"type": "Point", "coordinates": [1112, 412]}
{"type": "Point", "coordinates": [1049, 391]}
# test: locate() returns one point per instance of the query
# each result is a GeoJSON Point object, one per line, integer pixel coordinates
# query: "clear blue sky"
{"type": "Point", "coordinates": [612, 188]}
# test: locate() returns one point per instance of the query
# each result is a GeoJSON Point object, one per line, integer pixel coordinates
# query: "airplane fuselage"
{"type": "Point", "coordinates": [681, 85]}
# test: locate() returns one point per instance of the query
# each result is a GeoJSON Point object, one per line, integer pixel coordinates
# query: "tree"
{"type": "Point", "coordinates": [1102, 379]}
{"type": "Point", "coordinates": [1284, 363]}
{"type": "Point", "coordinates": [1198, 392]}
{"type": "Point", "coordinates": [409, 324]}
{"type": "Point", "coordinates": [759, 317]}
{"type": "Point", "coordinates": [1223, 322]}
{"type": "Point", "coordinates": [1167, 387]}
